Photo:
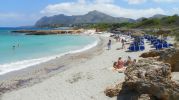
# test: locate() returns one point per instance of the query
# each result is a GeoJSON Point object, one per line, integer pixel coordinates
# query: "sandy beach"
{"type": "Point", "coordinates": [89, 50]}
{"type": "Point", "coordinates": [81, 76]}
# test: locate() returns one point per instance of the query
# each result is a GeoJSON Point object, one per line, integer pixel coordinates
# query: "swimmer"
{"type": "Point", "coordinates": [13, 47]}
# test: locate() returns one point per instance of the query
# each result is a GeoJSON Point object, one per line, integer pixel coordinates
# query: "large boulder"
{"type": "Point", "coordinates": [170, 56]}
{"type": "Point", "coordinates": [148, 79]}
{"type": "Point", "coordinates": [150, 54]}
{"type": "Point", "coordinates": [151, 77]}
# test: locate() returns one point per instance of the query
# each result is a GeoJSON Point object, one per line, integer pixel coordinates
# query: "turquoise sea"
{"type": "Point", "coordinates": [18, 51]}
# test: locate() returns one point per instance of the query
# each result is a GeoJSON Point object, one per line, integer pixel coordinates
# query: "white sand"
{"type": "Point", "coordinates": [175, 76]}
{"type": "Point", "coordinates": [85, 81]}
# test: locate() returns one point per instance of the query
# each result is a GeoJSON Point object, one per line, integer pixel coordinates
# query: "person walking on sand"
{"type": "Point", "coordinates": [109, 45]}
{"type": "Point", "coordinates": [123, 44]}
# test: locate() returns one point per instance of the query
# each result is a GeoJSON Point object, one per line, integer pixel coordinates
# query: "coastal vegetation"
{"type": "Point", "coordinates": [167, 22]}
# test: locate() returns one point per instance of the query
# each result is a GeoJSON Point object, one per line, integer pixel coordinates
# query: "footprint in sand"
{"type": "Point", "coordinates": [89, 76]}
{"type": "Point", "coordinates": [75, 78]}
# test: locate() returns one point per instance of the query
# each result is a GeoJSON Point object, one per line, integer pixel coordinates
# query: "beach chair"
{"type": "Point", "coordinates": [142, 48]}
{"type": "Point", "coordinates": [159, 46]}
{"type": "Point", "coordinates": [165, 45]}
{"type": "Point", "coordinates": [141, 43]}
{"type": "Point", "coordinates": [136, 48]}
{"type": "Point", "coordinates": [132, 48]}
{"type": "Point", "coordinates": [170, 44]}
{"type": "Point", "coordinates": [155, 44]}
{"type": "Point", "coordinates": [156, 47]}
{"type": "Point", "coordinates": [153, 41]}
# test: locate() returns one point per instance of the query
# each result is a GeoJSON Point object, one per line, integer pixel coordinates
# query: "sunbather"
{"type": "Point", "coordinates": [129, 61]}
{"type": "Point", "coordinates": [115, 65]}
{"type": "Point", "coordinates": [120, 63]}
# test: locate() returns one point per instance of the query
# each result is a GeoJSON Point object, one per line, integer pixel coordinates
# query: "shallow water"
{"type": "Point", "coordinates": [19, 51]}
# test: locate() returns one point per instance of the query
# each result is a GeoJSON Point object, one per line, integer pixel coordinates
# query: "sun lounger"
{"type": "Point", "coordinates": [136, 48]}
{"type": "Point", "coordinates": [142, 48]}
{"type": "Point", "coordinates": [165, 45]}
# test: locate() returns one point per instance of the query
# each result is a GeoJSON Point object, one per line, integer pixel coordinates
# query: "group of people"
{"type": "Point", "coordinates": [121, 65]}
{"type": "Point", "coordinates": [122, 41]}
{"type": "Point", "coordinates": [119, 39]}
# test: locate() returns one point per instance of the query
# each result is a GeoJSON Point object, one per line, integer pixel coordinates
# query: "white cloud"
{"type": "Point", "coordinates": [136, 1]}
{"type": "Point", "coordinates": [173, 11]}
{"type": "Point", "coordinates": [165, 0]}
{"type": "Point", "coordinates": [156, 1]}
{"type": "Point", "coordinates": [104, 1]}
{"type": "Point", "coordinates": [106, 6]}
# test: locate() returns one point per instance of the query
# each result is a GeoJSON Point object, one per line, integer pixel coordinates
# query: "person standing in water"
{"type": "Point", "coordinates": [18, 45]}
{"type": "Point", "coordinates": [13, 47]}
{"type": "Point", "coordinates": [109, 45]}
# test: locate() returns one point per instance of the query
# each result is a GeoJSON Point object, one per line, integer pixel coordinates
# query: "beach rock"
{"type": "Point", "coordinates": [148, 79]}
{"type": "Point", "coordinates": [149, 54]}
{"type": "Point", "coordinates": [47, 32]}
{"type": "Point", "coordinates": [170, 56]}
{"type": "Point", "coordinates": [151, 77]}
{"type": "Point", "coordinates": [161, 53]}
{"type": "Point", "coordinates": [112, 91]}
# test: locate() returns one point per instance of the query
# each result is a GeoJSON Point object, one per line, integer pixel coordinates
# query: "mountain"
{"type": "Point", "coordinates": [90, 17]}
{"type": "Point", "coordinates": [159, 16]}
{"type": "Point", "coordinates": [141, 19]}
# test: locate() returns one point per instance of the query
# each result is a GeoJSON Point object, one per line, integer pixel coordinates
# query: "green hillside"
{"type": "Point", "coordinates": [168, 22]}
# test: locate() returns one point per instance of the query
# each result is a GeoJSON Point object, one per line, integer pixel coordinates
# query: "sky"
{"type": "Point", "coordinates": [27, 12]}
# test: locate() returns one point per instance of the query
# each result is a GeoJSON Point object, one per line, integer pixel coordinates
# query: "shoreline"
{"type": "Point", "coordinates": [37, 73]}
{"type": "Point", "coordinates": [36, 61]}
{"type": "Point", "coordinates": [84, 77]}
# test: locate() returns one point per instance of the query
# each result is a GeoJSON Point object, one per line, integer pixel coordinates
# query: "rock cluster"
{"type": "Point", "coordinates": [47, 32]}
{"type": "Point", "coordinates": [152, 77]}
{"type": "Point", "coordinates": [148, 79]}
{"type": "Point", "coordinates": [170, 56]}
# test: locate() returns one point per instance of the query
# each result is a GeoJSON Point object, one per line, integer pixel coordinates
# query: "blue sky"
{"type": "Point", "coordinates": [27, 12]}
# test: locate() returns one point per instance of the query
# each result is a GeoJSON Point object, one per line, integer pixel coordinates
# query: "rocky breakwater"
{"type": "Point", "coordinates": [148, 79]}
{"type": "Point", "coordinates": [170, 56]}
{"type": "Point", "coordinates": [47, 32]}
